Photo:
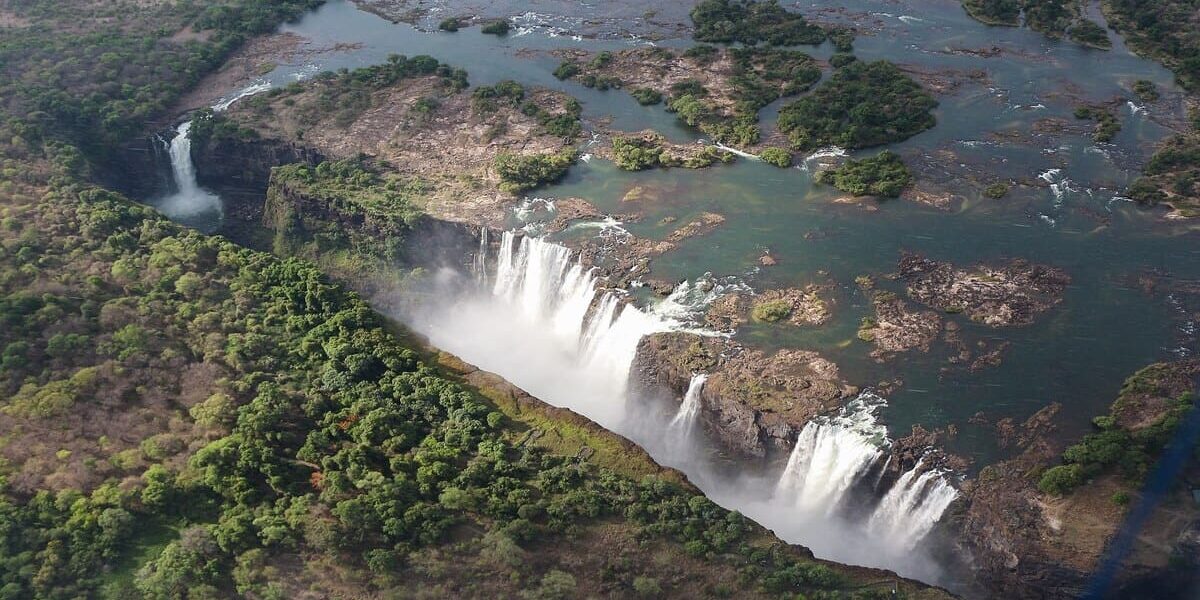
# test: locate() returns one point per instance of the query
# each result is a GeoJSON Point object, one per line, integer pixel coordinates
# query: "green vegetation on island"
{"type": "Point", "coordinates": [1145, 90]}
{"type": "Point", "coordinates": [565, 124]}
{"type": "Point", "coordinates": [648, 151]}
{"type": "Point", "coordinates": [883, 175]}
{"type": "Point", "coordinates": [994, 12]}
{"type": "Point", "coordinates": [1172, 176]}
{"type": "Point", "coordinates": [1128, 440]}
{"type": "Point", "coordinates": [750, 22]}
{"type": "Point", "coordinates": [521, 173]}
{"type": "Point", "coordinates": [500, 27]}
{"type": "Point", "coordinates": [1107, 124]}
{"type": "Point", "coordinates": [1163, 29]}
{"type": "Point", "coordinates": [863, 104]}
{"type": "Point", "coordinates": [1055, 18]}
{"type": "Point", "coordinates": [776, 156]}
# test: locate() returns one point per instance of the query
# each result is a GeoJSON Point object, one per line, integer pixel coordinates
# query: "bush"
{"type": "Point", "coordinates": [647, 96]}
{"type": "Point", "coordinates": [776, 156]}
{"type": "Point", "coordinates": [1145, 90]}
{"type": "Point", "coordinates": [495, 28]}
{"type": "Point", "coordinates": [772, 311]}
{"type": "Point", "coordinates": [881, 175]}
{"type": "Point", "coordinates": [519, 173]}
{"type": "Point", "coordinates": [1089, 33]}
{"type": "Point", "coordinates": [840, 60]}
{"type": "Point", "coordinates": [566, 70]}
{"type": "Point", "coordinates": [1060, 480]}
{"type": "Point", "coordinates": [646, 587]}
{"type": "Point", "coordinates": [637, 154]}
{"type": "Point", "coordinates": [451, 24]}
{"type": "Point", "coordinates": [996, 191]}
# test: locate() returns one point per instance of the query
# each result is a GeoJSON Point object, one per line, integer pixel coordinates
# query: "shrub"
{"type": "Point", "coordinates": [1060, 480]}
{"type": "Point", "coordinates": [840, 60]}
{"type": "Point", "coordinates": [495, 28]}
{"type": "Point", "coordinates": [776, 156]}
{"type": "Point", "coordinates": [771, 311]}
{"type": "Point", "coordinates": [1089, 33]}
{"type": "Point", "coordinates": [637, 154]}
{"type": "Point", "coordinates": [996, 191]}
{"type": "Point", "coordinates": [519, 173]}
{"type": "Point", "coordinates": [881, 175]}
{"type": "Point", "coordinates": [646, 587]}
{"type": "Point", "coordinates": [647, 96]}
{"type": "Point", "coordinates": [566, 70]}
{"type": "Point", "coordinates": [1145, 90]}
{"type": "Point", "coordinates": [451, 24]}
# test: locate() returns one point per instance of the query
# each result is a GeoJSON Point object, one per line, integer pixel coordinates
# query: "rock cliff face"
{"type": "Point", "coordinates": [1029, 544]}
{"type": "Point", "coordinates": [225, 162]}
{"type": "Point", "coordinates": [753, 403]}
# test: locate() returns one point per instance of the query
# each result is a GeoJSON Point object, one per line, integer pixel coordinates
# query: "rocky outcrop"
{"type": "Point", "coordinates": [1030, 544]}
{"type": "Point", "coordinates": [798, 306]}
{"type": "Point", "coordinates": [895, 328]}
{"type": "Point", "coordinates": [1011, 294]}
{"type": "Point", "coordinates": [752, 403]}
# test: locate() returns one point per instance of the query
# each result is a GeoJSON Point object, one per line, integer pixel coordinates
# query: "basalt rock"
{"type": "Point", "coordinates": [1011, 294]}
{"type": "Point", "coordinates": [1030, 544]}
{"type": "Point", "coordinates": [753, 403]}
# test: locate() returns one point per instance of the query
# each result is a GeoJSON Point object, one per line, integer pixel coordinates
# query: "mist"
{"type": "Point", "coordinates": [537, 320]}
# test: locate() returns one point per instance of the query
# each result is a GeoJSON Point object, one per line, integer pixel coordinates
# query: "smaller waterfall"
{"type": "Point", "coordinates": [189, 199]}
{"type": "Point", "coordinates": [690, 408]}
{"type": "Point", "coordinates": [832, 454]}
{"type": "Point", "coordinates": [190, 203]}
{"type": "Point", "coordinates": [479, 266]}
{"type": "Point", "coordinates": [911, 507]}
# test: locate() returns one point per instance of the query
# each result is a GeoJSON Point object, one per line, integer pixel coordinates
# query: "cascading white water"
{"type": "Point", "coordinates": [190, 200]}
{"type": "Point", "coordinates": [690, 407]}
{"type": "Point", "coordinates": [833, 453]}
{"type": "Point", "coordinates": [911, 507]}
{"type": "Point", "coordinates": [541, 323]}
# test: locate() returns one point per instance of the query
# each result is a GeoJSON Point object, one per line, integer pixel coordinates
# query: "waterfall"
{"type": "Point", "coordinates": [834, 453]}
{"type": "Point", "coordinates": [190, 203]}
{"type": "Point", "coordinates": [543, 321]}
{"type": "Point", "coordinates": [911, 507]}
{"type": "Point", "coordinates": [189, 199]}
{"type": "Point", "coordinates": [690, 407]}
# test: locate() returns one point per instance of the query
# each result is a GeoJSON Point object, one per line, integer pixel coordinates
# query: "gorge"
{"type": "Point", "coordinates": [725, 299]}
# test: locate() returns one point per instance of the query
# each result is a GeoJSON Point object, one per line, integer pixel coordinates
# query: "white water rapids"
{"type": "Point", "coordinates": [540, 321]}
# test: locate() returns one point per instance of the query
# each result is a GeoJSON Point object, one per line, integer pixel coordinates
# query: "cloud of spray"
{"type": "Point", "coordinates": [539, 323]}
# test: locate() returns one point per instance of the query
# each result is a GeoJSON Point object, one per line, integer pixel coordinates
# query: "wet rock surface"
{"type": "Point", "coordinates": [753, 402]}
{"type": "Point", "coordinates": [1011, 294]}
